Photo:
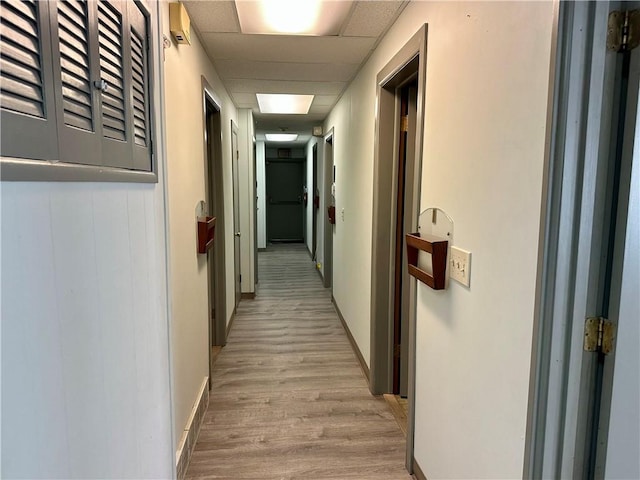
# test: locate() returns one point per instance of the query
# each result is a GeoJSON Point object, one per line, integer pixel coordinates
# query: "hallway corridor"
{"type": "Point", "coordinates": [288, 397]}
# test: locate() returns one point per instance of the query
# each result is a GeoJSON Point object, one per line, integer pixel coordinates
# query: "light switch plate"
{"type": "Point", "coordinates": [460, 266]}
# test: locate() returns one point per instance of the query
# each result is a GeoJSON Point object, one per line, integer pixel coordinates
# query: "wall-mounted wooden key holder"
{"type": "Point", "coordinates": [206, 233]}
{"type": "Point", "coordinates": [437, 247]}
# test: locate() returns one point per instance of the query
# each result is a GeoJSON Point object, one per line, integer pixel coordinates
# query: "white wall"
{"type": "Point", "coordinates": [353, 161]}
{"type": "Point", "coordinates": [184, 67]}
{"type": "Point", "coordinates": [486, 97]}
{"type": "Point", "coordinates": [247, 213]}
{"type": "Point", "coordinates": [262, 195]}
{"type": "Point", "coordinates": [85, 336]}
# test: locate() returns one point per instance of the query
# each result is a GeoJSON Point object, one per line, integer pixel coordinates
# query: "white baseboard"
{"type": "Point", "coordinates": [191, 430]}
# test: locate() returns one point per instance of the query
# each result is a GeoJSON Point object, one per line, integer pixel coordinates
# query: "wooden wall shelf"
{"type": "Point", "coordinates": [206, 233]}
{"type": "Point", "coordinates": [437, 247]}
{"type": "Point", "coordinates": [331, 211]}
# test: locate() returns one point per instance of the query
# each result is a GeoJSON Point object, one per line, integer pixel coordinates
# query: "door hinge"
{"type": "Point", "coordinates": [599, 334]}
{"type": "Point", "coordinates": [396, 351]}
{"type": "Point", "coordinates": [623, 30]}
{"type": "Point", "coordinates": [240, 278]}
{"type": "Point", "coordinates": [404, 123]}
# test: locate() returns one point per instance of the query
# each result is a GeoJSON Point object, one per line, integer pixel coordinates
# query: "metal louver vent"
{"type": "Point", "coordinates": [21, 88]}
{"type": "Point", "coordinates": [139, 88]}
{"type": "Point", "coordinates": [112, 71]}
{"type": "Point", "coordinates": [74, 64]}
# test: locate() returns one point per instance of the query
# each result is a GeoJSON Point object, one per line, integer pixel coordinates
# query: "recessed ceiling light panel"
{"type": "Point", "coordinates": [284, 103]}
{"type": "Point", "coordinates": [281, 137]}
{"type": "Point", "coordinates": [292, 17]}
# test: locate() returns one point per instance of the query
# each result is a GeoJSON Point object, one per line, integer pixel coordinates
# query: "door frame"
{"type": "Point", "coordinates": [254, 207]}
{"type": "Point", "coordinates": [235, 188]}
{"type": "Point", "coordinates": [409, 61]}
{"type": "Point", "coordinates": [579, 124]}
{"type": "Point", "coordinates": [214, 193]}
{"type": "Point", "coordinates": [312, 196]}
{"type": "Point", "coordinates": [327, 163]}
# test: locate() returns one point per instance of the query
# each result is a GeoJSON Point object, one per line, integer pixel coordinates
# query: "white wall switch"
{"type": "Point", "coordinates": [460, 266]}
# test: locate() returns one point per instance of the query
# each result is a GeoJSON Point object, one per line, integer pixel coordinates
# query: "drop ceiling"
{"type": "Point", "coordinates": [321, 66]}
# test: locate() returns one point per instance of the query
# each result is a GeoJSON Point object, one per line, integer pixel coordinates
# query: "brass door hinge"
{"type": "Point", "coordinates": [623, 30]}
{"type": "Point", "coordinates": [598, 335]}
{"type": "Point", "coordinates": [404, 123]}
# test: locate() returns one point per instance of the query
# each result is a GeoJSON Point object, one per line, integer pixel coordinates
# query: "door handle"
{"type": "Point", "coordinates": [237, 234]}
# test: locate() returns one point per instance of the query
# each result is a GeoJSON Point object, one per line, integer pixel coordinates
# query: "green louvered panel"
{"type": "Point", "coordinates": [139, 84]}
{"type": "Point", "coordinates": [74, 64]}
{"type": "Point", "coordinates": [110, 35]}
{"type": "Point", "coordinates": [21, 86]}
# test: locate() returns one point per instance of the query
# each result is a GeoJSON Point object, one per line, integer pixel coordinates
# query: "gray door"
{"type": "Point", "coordinates": [285, 209]}
{"type": "Point", "coordinates": [619, 451]}
{"type": "Point", "coordinates": [617, 437]}
{"type": "Point", "coordinates": [236, 212]}
{"type": "Point", "coordinates": [585, 417]}
{"type": "Point", "coordinates": [610, 451]}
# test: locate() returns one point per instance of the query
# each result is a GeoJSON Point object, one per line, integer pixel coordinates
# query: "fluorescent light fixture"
{"type": "Point", "coordinates": [281, 137]}
{"type": "Point", "coordinates": [292, 17]}
{"type": "Point", "coordinates": [284, 103]}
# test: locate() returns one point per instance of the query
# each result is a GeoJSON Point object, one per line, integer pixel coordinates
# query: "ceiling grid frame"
{"type": "Point", "coordinates": [255, 63]}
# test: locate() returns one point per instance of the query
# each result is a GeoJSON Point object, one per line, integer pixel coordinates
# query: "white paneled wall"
{"type": "Point", "coordinates": [85, 358]}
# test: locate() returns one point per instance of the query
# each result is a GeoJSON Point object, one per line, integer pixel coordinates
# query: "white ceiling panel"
{"type": "Point", "coordinates": [322, 109]}
{"type": "Point", "coordinates": [289, 122]}
{"type": "Point", "coordinates": [244, 85]}
{"type": "Point", "coordinates": [245, 100]}
{"type": "Point", "coordinates": [213, 16]}
{"type": "Point", "coordinates": [372, 18]}
{"type": "Point", "coordinates": [324, 100]}
{"type": "Point", "coordinates": [273, 48]}
{"type": "Point", "coordinates": [318, 72]}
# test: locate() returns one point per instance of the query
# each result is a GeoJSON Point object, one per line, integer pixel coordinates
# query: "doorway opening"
{"type": "Point", "coordinates": [214, 194]}
{"type": "Point", "coordinates": [406, 119]}
{"type": "Point", "coordinates": [396, 194]}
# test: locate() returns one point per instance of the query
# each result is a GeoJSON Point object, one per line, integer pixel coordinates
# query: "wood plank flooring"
{"type": "Point", "coordinates": [288, 398]}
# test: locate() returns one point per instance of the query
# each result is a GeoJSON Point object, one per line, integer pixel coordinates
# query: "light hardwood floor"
{"type": "Point", "coordinates": [288, 398]}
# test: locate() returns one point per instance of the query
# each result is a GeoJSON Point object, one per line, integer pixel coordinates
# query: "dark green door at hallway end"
{"type": "Point", "coordinates": [285, 206]}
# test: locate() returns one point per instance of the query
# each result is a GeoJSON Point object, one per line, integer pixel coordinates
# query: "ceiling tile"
{"type": "Point", "coordinates": [372, 18]}
{"type": "Point", "coordinates": [213, 16]}
{"type": "Point", "coordinates": [321, 66]}
{"type": "Point", "coordinates": [243, 85]}
{"type": "Point", "coordinates": [321, 109]}
{"type": "Point", "coordinates": [318, 72]}
{"type": "Point", "coordinates": [324, 100]}
{"type": "Point", "coordinates": [245, 100]}
{"type": "Point", "coordinates": [293, 123]}
{"type": "Point", "coordinates": [275, 48]}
